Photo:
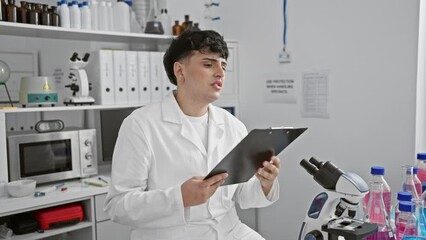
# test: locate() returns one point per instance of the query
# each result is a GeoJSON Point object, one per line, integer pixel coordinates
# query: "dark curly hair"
{"type": "Point", "coordinates": [189, 41]}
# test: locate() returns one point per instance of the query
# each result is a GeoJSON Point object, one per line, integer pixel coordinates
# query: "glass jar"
{"type": "Point", "coordinates": [12, 11]}
{"type": "Point", "coordinates": [22, 12]}
{"type": "Point", "coordinates": [45, 15]}
{"type": "Point", "coordinates": [54, 16]}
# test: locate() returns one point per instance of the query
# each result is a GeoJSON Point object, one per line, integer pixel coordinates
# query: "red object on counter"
{"type": "Point", "coordinates": [60, 216]}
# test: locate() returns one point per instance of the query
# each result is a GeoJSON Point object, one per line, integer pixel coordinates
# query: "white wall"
{"type": "Point", "coordinates": [370, 48]}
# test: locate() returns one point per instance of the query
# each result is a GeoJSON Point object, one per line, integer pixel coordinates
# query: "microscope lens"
{"type": "Point", "coordinates": [339, 210]}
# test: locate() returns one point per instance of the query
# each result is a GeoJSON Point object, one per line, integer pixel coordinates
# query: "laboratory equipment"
{"type": "Point", "coordinates": [406, 223]}
{"type": "Point", "coordinates": [421, 165]}
{"type": "Point", "coordinates": [376, 213]}
{"type": "Point", "coordinates": [37, 91]}
{"type": "Point", "coordinates": [332, 213]}
{"type": "Point", "coordinates": [79, 81]}
{"type": "Point", "coordinates": [4, 77]}
{"type": "Point", "coordinates": [401, 196]}
{"type": "Point", "coordinates": [409, 184]}
{"type": "Point", "coordinates": [377, 175]}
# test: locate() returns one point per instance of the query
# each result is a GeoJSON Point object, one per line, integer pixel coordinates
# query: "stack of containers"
{"type": "Point", "coordinates": [401, 197]}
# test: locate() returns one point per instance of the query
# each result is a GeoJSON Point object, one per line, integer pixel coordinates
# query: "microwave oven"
{"type": "Point", "coordinates": [52, 156]}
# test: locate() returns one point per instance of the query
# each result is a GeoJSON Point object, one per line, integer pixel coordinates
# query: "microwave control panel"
{"type": "Point", "coordinates": [88, 152]}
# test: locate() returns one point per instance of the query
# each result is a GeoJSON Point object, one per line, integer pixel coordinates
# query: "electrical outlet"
{"type": "Point", "coordinates": [284, 57]}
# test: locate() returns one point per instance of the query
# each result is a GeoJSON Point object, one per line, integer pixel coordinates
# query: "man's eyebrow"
{"type": "Point", "coordinates": [214, 60]}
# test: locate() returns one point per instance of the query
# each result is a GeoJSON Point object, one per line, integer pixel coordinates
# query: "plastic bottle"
{"type": "Point", "coordinates": [135, 27]}
{"type": "Point", "coordinates": [377, 175]}
{"type": "Point", "coordinates": [421, 164]}
{"type": "Point", "coordinates": [166, 21]}
{"type": "Point", "coordinates": [376, 213]}
{"type": "Point", "coordinates": [86, 17]}
{"type": "Point", "coordinates": [75, 15]}
{"type": "Point", "coordinates": [121, 24]}
{"type": "Point", "coordinates": [110, 15]}
{"type": "Point", "coordinates": [64, 15]}
{"type": "Point", "coordinates": [417, 181]}
{"type": "Point", "coordinates": [94, 9]}
{"type": "Point", "coordinates": [401, 197]}
{"type": "Point", "coordinates": [406, 223]}
{"type": "Point", "coordinates": [421, 219]}
{"type": "Point", "coordinates": [409, 184]}
{"type": "Point", "coordinates": [103, 16]}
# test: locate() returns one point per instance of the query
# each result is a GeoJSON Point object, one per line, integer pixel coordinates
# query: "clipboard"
{"type": "Point", "coordinates": [242, 162]}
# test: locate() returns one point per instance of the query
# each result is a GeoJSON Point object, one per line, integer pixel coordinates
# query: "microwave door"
{"type": "Point", "coordinates": [44, 157]}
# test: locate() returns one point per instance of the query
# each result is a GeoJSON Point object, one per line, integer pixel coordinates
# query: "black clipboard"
{"type": "Point", "coordinates": [242, 162]}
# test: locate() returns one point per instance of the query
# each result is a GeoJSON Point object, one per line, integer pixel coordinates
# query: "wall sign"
{"type": "Point", "coordinates": [280, 88]}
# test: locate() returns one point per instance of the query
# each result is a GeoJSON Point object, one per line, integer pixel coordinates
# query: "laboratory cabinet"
{"type": "Point", "coordinates": [52, 46]}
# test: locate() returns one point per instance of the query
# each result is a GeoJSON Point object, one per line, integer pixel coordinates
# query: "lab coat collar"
{"type": "Point", "coordinates": [171, 112]}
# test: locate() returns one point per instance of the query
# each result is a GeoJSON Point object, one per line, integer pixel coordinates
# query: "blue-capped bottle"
{"type": "Point", "coordinates": [401, 196]}
{"type": "Point", "coordinates": [377, 175]}
{"type": "Point", "coordinates": [376, 213]}
{"type": "Point", "coordinates": [406, 222]}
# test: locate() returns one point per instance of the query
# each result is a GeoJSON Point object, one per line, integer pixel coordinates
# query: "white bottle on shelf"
{"type": "Point", "coordinates": [86, 18]}
{"type": "Point", "coordinates": [135, 27]}
{"type": "Point", "coordinates": [166, 22]}
{"type": "Point", "coordinates": [75, 15]}
{"type": "Point", "coordinates": [94, 6]}
{"type": "Point", "coordinates": [121, 24]}
{"type": "Point", "coordinates": [64, 14]}
{"type": "Point", "coordinates": [110, 16]}
{"type": "Point", "coordinates": [103, 16]}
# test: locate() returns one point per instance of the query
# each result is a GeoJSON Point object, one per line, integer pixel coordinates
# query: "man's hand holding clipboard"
{"type": "Point", "coordinates": [254, 152]}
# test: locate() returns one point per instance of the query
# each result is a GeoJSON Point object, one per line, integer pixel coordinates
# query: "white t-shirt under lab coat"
{"type": "Point", "coordinates": [158, 149]}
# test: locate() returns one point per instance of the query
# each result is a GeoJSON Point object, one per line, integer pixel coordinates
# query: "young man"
{"type": "Point", "coordinates": [164, 150]}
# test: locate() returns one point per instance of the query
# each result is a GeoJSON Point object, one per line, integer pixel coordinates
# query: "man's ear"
{"type": "Point", "coordinates": [178, 70]}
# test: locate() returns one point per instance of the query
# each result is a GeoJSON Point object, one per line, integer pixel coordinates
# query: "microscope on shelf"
{"type": "Point", "coordinates": [331, 215]}
{"type": "Point", "coordinates": [79, 81]}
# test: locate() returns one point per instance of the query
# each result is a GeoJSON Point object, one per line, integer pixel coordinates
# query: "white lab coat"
{"type": "Point", "coordinates": [157, 149]}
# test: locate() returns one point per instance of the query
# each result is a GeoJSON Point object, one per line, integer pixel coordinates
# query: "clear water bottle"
{"type": "Point", "coordinates": [421, 164]}
{"type": "Point", "coordinates": [409, 184]}
{"type": "Point", "coordinates": [406, 223]}
{"type": "Point", "coordinates": [376, 213]}
{"type": "Point", "coordinates": [377, 175]}
{"type": "Point", "coordinates": [401, 197]}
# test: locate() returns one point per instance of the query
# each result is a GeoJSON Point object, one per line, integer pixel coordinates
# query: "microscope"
{"type": "Point", "coordinates": [79, 81]}
{"type": "Point", "coordinates": [331, 215]}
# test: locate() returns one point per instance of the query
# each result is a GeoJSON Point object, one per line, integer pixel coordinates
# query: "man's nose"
{"type": "Point", "coordinates": [220, 72]}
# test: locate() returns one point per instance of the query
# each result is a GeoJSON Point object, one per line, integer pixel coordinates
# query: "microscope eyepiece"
{"type": "Point", "coordinates": [311, 169]}
{"type": "Point", "coordinates": [74, 57]}
{"type": "Point", "coordinates": [315, 162]}
{"type": "Point", "coordinates": [86, 57]}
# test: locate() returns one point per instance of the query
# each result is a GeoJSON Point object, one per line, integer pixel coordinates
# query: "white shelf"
{"type": "Point", "coordinates": [40, 31]}
{"type": "Point", "coordinates": [69, 108]}
{"type": "Point", "coordinates": [52, 232]}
